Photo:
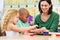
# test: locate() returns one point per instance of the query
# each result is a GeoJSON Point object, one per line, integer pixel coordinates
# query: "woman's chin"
{"type": "Point", "coordinates": [44, 11]}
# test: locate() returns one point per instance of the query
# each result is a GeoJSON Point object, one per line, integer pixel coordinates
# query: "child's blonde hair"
{"type": "Point", "coordinates": [9, 15]}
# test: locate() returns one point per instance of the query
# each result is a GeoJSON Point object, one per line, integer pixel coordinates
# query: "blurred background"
{"type": "Point", "coordinates": [30, 5]}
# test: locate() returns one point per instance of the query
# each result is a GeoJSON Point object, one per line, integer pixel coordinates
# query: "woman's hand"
{"type": "Point", "coordinates": [43, 29]}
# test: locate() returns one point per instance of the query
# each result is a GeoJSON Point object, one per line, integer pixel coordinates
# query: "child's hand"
{"type": "Point", "coordinates": [35, 31]}
{"type": "Point", "coordinates": [31, 23]}
{"type": "Point", "coordinates": [26, 33]}
{"type": "Point", "coordinates": [33, 27]}
{"type": "Point", "coordinates": [24, 30]}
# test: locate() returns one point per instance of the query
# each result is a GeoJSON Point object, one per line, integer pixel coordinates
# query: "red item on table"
{"type": "Point", "coordinates": [57, 34]}
{"type": "Point", "coordinates": [32, 34]}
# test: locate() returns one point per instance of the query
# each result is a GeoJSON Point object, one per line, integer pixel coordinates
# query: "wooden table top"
{"type": "Point", "coordinates": [28, 37]}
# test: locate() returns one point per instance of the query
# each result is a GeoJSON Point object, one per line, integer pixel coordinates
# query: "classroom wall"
{"type": "Point", "coordinates": [30, 5]}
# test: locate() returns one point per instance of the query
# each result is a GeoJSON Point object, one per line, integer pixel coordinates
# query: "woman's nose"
{"type": "Point", "coordinates": [43, 7]}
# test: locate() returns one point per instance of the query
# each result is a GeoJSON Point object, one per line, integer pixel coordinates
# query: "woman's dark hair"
{"type": "Point", "coordinates": [49, 2]}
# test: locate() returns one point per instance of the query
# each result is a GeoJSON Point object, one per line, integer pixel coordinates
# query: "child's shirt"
{"type": "Point", "coordinates": [22, 24]}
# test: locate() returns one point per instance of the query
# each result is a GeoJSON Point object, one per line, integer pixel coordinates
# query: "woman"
{"type": "Point", "coordinates": [47, 20]}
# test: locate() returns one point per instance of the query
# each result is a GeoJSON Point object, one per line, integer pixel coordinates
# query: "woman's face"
{"type": "Point", "coordinates": [45, 6]}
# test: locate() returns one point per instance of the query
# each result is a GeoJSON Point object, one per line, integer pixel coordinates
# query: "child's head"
{"type": "Point", "coordinates": [11, 16]}
{"type": "Point", "coordinates": [23, 14]}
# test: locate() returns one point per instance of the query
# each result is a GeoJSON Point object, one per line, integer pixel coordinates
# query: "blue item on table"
{"type": "Point", "coordinates": [45, 33]}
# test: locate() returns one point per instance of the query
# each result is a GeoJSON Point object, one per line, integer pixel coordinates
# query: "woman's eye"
{"type": "Point", "coordinates": [42, 5]}
{"type": "Point", "coordinates": [45, 5]}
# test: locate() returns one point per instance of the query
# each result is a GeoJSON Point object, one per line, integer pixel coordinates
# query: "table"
{"type": "Point", "coordinates": [28, 37]}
